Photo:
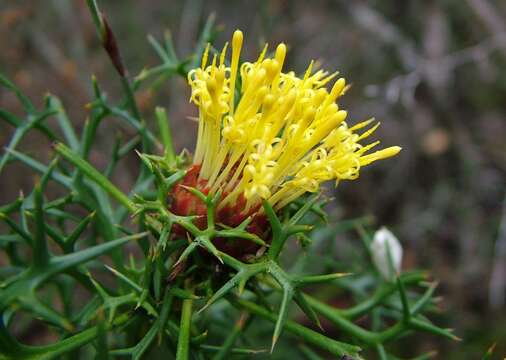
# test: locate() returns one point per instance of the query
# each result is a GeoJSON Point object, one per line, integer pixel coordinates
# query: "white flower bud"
{"type": "Point", "coordinates": [385, 242]}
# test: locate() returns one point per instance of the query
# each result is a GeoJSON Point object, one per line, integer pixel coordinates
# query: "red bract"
{"type": "Point", "coordinates": [184, 203]}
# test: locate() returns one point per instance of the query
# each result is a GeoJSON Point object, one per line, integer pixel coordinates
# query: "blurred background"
{"type": "Point", "coordinates": [433, 72]}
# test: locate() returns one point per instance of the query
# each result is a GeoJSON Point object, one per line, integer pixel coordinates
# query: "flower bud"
{"type": "Point", "coordinates": [386, 253]}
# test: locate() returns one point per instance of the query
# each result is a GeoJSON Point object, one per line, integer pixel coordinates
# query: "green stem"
{"type": "Point", "coordinates": [131, 98]}
{"type": "Point", "coordinates": [183, 343]}
{"type": "Point", "coordinates": [95, 15]}
{"type": "Point", "coordinates": [381, 352]}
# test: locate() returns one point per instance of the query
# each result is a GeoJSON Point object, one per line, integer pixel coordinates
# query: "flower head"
{"type": "Point", "coordinates": [266, 134]}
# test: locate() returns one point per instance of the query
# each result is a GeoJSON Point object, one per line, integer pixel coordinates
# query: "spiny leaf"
{"type": "Point", "coordinates": [241, 234]}
{"type": "Point", "coordinates": [125, 279]}
{"type": "Point", "coordinates": [334, 347]}
{"type": "Point", "coordinates": [41, 168]}
{"type": "Point", "coordinates": [27, 104]}
{"type": "Point", "coordinates": [10, 118]}
{"type": "Point", "coordinates": [158, 327]}
{"type": "Point", "coordinates": [76, 233]}
{"type": "Point", "coordinates": [40, 310]}
{"type": "Point", "coordinates": [160, 51]}
{"type": "Point", "coordinates": [428, 327]}
{"type": "Point", "coordinates": [489, 352]}
{"type": "Point", "coordinates": [17, 229]}
{"type": "Point", "coordinates": [246, 271]}
{"type": "Point", "coordinates": [307, 308]}
{"type": "Point", "coordinates": [33, 121]}
{"type": "Point", "coordinates": [303, 210]}
{"type": "Point", "coordinates": [47, 352]}
{"type": "Point", "coordinates": [60, 263]}
{"type": "Point", "coordinates": [282, 315]}
{"type": "Point", "coordinates": [40, 250]}
{"type": "Point", "coordinates": [229, 285]}
{"type": "Point", "coordinates": [95, 175]}
{"type": "Point", "coordinates": [404, 300]}
{"type": "Point", "coordinates": [206, 243]}
{"type": "Point", "coordinates": [189, 249]}
{"type": "Point", "coordinates": [315, 279]}
{"type": "Point", "coordinates": [426, 298]}
{"type": "Point", "coordinates": [68, 131]}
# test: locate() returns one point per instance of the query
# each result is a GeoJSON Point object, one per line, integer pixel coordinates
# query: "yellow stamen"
{"type": "Point", "coordinates": [236, 52]}
{"type": "Point", "coordinates": [285, 136]}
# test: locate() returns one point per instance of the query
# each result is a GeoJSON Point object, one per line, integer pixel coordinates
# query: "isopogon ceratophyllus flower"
{"type": "Point", "coordinates": [268, 135]}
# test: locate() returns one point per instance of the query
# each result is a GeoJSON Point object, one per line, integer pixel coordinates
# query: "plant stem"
{"type": "Point", "coordinates": [183, 343]}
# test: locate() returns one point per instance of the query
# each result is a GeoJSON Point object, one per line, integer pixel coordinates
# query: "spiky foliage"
{"type": "Point", "coordinates": [179, 296]}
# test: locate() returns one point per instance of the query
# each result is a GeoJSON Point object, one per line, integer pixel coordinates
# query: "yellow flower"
{"type": "Point", "coordinates": [270, 135]}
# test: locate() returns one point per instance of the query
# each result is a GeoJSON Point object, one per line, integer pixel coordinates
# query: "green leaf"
{"type": "Point", "coordinates": [428, 327]}
{"type": "Point", "coordinates": [282, 315]}
{"type": "Point", "coordinates": [40, 250]}
{"type": "Point", "coordinates": [10, 118]}
{"type": "Point", "coordinates": [70, 240]}
{"type": "Point", "coordinates": [17, 229]}
{"type": "Point", "coordinates": [160, 51]}
{"type": "Point", "coordinates": [334, 347]}
{"type": "Point", "coordinates": [94, 175]}
{"type": "Point", "coordinates": [33, 120]}
{"type": "Point", "coordinates": [169, 45]}
{"type": "Point", "coordinates": [315, 279]}
{"type": "Point", "coordinates": [64, 122]}
{"type": "Point", "coordinates": [42, 168]}
{"type": "Point", "coordinates": [406, 312]}
{"type": "Point", "coordinates": [27, 104]}
{"type": "Point", "coordinates": [166, 134]}
{"type": "Point", "coordinates": [125, 279]}
{"type": "Point", "coordinates": [15, 350]}
{"type": "Point", "coordinates": [308, 309]}
{"type": "Point", "coordinates": [64, 262]}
